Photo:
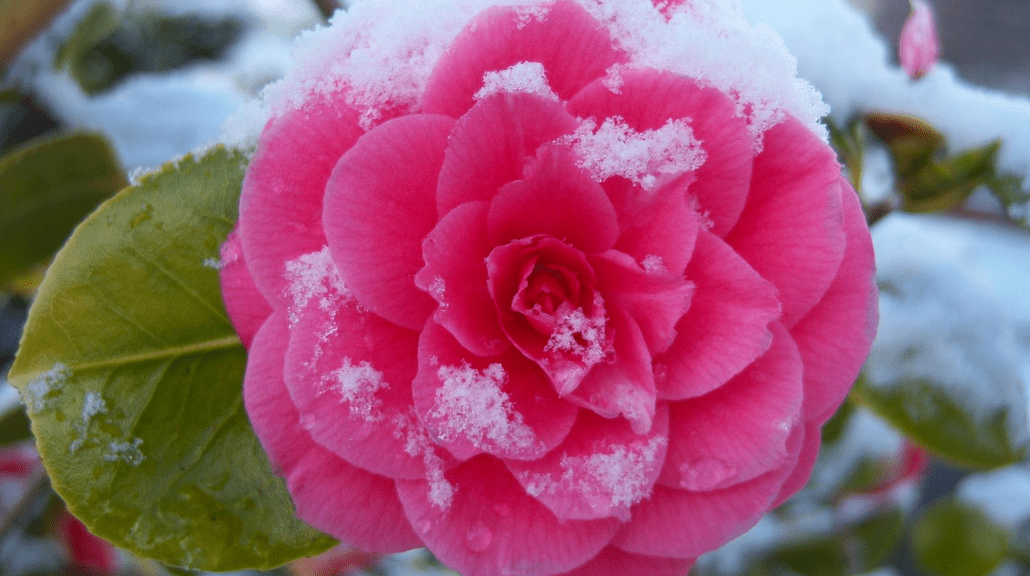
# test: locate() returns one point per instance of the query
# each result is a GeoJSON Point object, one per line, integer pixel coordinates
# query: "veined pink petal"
{"type": "Point", "coordinates": [740, 430]}
{"type": "Point", "coordinates": [835, 336]}
{"type": "Point", "coordinates": [281, 202]}
{"type": "Point", "coordinates": [246, 307]}
{"type": "Point", "coordinates": [349, 373]}
{"type": "Point", "coordinates": [647, 99]}
{"type": "Point", "coordinates": [502, 405]}
{"type": "Point", "coordinates": [655, 298]}
{"type": "Point", "coordinates": [623, 386]}
{"type": "Point", "coordinates": [455, 276]}
{"type": "Point", "coordinates": [726, 328]}
{"type": "Point", "coordinates": [368, 514]}
{"type": "Point", "coordinates": [918, 45]}
{"type": "Point", "coordinates": [612, 561]}
{"type": "Point", "coordinates": [493, 527]}
{"type": "Point", "coordinates": [572, 46]}
{"type": "Point", "coordinates": [379, 208]}
{"type": "Point", "coordinates": [811, 433]}
{"type": "Point", "coordinates": [600, 470]}
{"type": "Point", "coordinates": [791, 231]}
{"type": "Point", "coordinates": [490, 145]}
{"type": "Point", "coordinates": [555, 198]}
{"type": "Point", "coordinates": [683, 524]}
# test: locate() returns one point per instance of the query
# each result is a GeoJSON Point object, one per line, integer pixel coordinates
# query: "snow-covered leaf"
{"type": "Point", "coordinates": [132, 375]}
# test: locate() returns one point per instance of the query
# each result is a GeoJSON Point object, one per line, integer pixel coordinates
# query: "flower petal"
{"type": "Point", "coordinates": [502, 405]}
{"type": "Point", "coordinates": [791, 230]}
{"type": "Point", "coordinates": [555, 198]}
{"type": "Point", "coordinates": [349, 373]}
{"type": "Point", "coordinates": [660, 231]}
{"type": "Point", "coordinates": [684, 524]}
{"type": "Point", "coordinates": [493, 527]}
{"type": "Point", "coordinates": [835, 336]}
{"type": "Point", "coordinates": [246, 307]}
{"type": "Point", "coordinates": [812, 439]}
{"type": "Point", "coordinates": [655, 299]}
{"type": "Point", "coordinates": [600, 470]}
{"type": "Point", "coordinates": [455, 276]}
{"type": "Point", "coordinates": [379, 208]}
{"type": "Point", "coordinates": [490, 145]}
{"type": "Point", "coordinates": [572, 46]}
{"type": "Point", "coordinates": [647, 99]}
{"type": "Point", "coordinates": [368, 514]}
{"type": "Point", "coordinates": [612, 561]}
{"type": "Point", "coordinates": [281, 202]}
{"type": "Point", "coordinates": [726, 328]}
{"type": "Point", "coordinates": [624, 386]}
{"type": "Point", "coordinates": [739, 430]}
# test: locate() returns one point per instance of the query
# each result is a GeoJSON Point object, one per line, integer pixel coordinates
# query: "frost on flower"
{"type": "Point", "coordinates": [569, 231]}
{"type": "Point", "coordinates": [471, 404]}
{"type": "Point", "coordinates": [615, 149]}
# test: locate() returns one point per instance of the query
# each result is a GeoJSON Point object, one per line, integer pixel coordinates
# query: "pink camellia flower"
{"type": "Point", "coordinates": [918, 46]}
{"type": "Point", "coordinates": [561, 288]}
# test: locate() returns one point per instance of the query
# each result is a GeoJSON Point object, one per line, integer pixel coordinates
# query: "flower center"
{"type": "Point", "coordinates": [547, 303]}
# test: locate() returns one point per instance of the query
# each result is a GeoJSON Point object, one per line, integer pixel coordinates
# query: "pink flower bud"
{"type": "Point", "coordinates": [918, 46]}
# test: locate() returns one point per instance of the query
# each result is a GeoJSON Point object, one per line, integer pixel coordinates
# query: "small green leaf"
{"type": "Point", "coordinates": [132, 376]}
{"type": "Point", "coordinates": [946, 184]}
{"type": "Point", "coordinates": [14, 426]}
{"type": "Point", "coordinates": [924, 413]}
{"type": "Point", "coordinates": [93, 28]}
{"type": "Point", "coordinates": [912, 142]}
{"type": "Point", "coordinates": [954, 539]}
{"type": "Point", "coordinates": [46, 188]}
{"type": "Point", "coordinates": [848, 143]}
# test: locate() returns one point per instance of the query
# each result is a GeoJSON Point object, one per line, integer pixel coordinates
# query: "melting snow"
{"type": "Point", "coordinates": [92, 405]}
{"type": "Point", "coordinates": [615, 149]}
{"type": "Point", "coordinates": [417, 443]}
{"type": "Point", "coordinates": [580, 336]}
{"type": "Point", "coordinates": [653, 263]}
{"type": "Point", "coordinates": [41, 390]}
{"type": "Point", "coordinates": [128, 452]}
{"type": "Point", "coordinates": [529, 77]}
{"type": "Point", "coordinates": [215, 263]}
{"type": "Point", "coordinates": [313, 276]}
{"type": "Point", "coordinates": [357, 387]}
{"type": "Point", "coordinates": [470, 404]}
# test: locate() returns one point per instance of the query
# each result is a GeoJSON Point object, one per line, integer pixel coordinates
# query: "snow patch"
{"type": "Point", "coordinates": [92, 405]}
{"type": "Point", "coordinates": [526, 77]}
{"type": "Point", "coordinates": [417, 443]}
{"type": "Point", "coordinates": [357, 387]}
{"type": "Point", "coordinates": [470, 404]}
{"type": "Point", "coordinates": [615, 149]}
{"type": "Point", "coordinates": [580, 336]}
{"type": "Point", "coordinates": [653, 263]}
{"type": "Point", "coordinates": [313, 276]}
{"type": "Point", "coordinates": [127, 452]}
{"type": "Point", "coordinates": [41, 390]}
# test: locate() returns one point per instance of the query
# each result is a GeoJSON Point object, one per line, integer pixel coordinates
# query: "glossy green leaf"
{"type": "Point", "coordinates": [923, 412]}
{"type": "Point", "coordinates": [954, 539]}
{"type": "Point", "coordinates": [46, 188]}
{"type": "Point", "coordinates": [132, 376]}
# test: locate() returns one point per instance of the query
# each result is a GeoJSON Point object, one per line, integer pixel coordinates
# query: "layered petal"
{"type": "Point", "coordinates": [491, 144]}
{"type": "Point", "coordinates": [740, 430]}
{"type": "Point", "coordinates": [378, 209]}
{"type": "Point", "coordinates": [502, 405]}
{"type": "Point", "coordinates": [246, 307]}
{"type": "Point", "coordinates": [791, 230]}
{"type": "Point", "coordinates": [491, 526]}
{"type": "Point", "coordinates": [367, 515]}
{"type": "Point", "coordinates": [835, 336]}
{"type": "Point", "coordinates": [455, 275]}
{"type": "Point", "coordinates": [601, 469]}
{"type": "Point", "coordinates": [573, 47]}
{"type": "Point", "coordinates": [281, 201]}
{"type": "Point", "coordinates": [685, 524]}
{"type": "Point", "coordinates": [653, 297]}
{"type": "Point", "coordinates": [726, 328]}
{"type": "Point", "coordinates": [647, 99]}
{"type": "Point", "coordinates": [555, 198]}
{"type": "Point", "coordinates": [349, 373]}
{"type": "Point", "coordinates": [612, 561]}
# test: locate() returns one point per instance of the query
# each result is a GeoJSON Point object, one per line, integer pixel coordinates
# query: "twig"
{"type": "Point", "coordinates": [327, 7]}
{"type": "Point", "coordinates": [39, 485]}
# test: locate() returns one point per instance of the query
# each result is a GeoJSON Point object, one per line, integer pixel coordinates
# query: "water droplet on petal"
{"type": "Point", "coordinates": [705, 474]}
{"type": "Point", "coordinates": [424, 526]}
{"type": "Point", "coordinates": [478, 537]}
{"type": "Point", "coordinates": [502, 509]}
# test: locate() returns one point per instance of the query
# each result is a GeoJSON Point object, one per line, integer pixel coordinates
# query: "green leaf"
{"type": "Point", "coordinates": [14, 426]}
{"type": "Point", "coordinates": [46, 188]}
{"type": "Point", "coordinates": [132, 376]}
{"type": "Point", "coordinates": [946, 184]}
{"type": "Point", "coordinates": [954, 539]}
{"type": "Point", "coordinates": [848, 143]}
{"type": "Point", "coordinates": [924, 413]}
{"type": "Point", "coordinates": [92, 29]}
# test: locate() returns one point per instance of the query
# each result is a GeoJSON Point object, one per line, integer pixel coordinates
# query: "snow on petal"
{"type": "Point", "coordinates": [522, 77]}
{"type": "Point", "coordinates": [472, 404]}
